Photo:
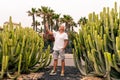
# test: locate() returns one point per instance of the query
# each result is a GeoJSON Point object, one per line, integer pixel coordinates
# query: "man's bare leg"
{"type": "Point", "coordinates": [63, 66]}
{"type": "Point", "coordinates": [55, 64]}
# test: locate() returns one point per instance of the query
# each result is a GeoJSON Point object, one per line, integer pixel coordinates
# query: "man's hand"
{"type": "Point", "coordinates": [65, 44]}
{"type": "Point", "coordinates": [63, 49]}
{"type": "Point", "coordinates": [46, 26]}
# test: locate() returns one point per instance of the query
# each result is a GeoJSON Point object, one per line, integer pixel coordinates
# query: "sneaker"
{"type": "Point", "coordinates": [62, 74]}
{"type": "Point", "coordinates": [53, 72]}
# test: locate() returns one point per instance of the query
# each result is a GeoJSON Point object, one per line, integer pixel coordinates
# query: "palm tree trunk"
{"type": "Point", "coordinates": [48, 19]}
{"type": "Point", "coordinates": [57, 24]}
{"type": "Point", "coordinates": [44, 24]}
{"type": "Point", "coordinates": [66, 25]}
{"type": "Point", "coordinates": [51, 24]}
{"type": "Point", "coordinates": [36, 27]}
{"type": "Point", "coordinates": [72, 28]}
{"type": "Point", "coordinates": [33, 22]}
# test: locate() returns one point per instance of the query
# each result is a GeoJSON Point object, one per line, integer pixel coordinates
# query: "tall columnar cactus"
{"type": "Point", "coordinates": [21, 51]}
{"type": "Point", "coordinates": [97, 44]}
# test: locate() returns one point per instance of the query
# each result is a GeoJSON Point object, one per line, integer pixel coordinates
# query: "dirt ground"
{"type": "Point", "coordinates": [91, 78]}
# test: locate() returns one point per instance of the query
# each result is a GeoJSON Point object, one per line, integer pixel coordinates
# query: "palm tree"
{"type": "Point", "coordinates": [36, 25]}
{"type": "Point", "coordinates": [73, 24]}
{"type": "Point", "coordinates": [45, 13]}
{"type": "Point", "coordinates": [56, 18]}
{"type": "Point", "coordinates": [82, 21]}
{"type": "Point", "coordinates": [32, 13]}
{"type": "Point", "coordinates": [42, 13]}
{"type": "Point", "coordinates": [67, 19]}
{"type": "Point", "coordinates": [50, 18]}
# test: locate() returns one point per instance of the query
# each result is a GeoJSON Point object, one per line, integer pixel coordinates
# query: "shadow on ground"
{"type": "Point", "coordinates": [71, 73]}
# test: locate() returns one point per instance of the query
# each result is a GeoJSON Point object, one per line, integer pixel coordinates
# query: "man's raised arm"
{"type": "Point", "coordinates": [47, 29]}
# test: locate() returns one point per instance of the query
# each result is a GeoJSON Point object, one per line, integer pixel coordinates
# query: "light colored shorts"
{"type": "Point", "coordinates": [56, 54]}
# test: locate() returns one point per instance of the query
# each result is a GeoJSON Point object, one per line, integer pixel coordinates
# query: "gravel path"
{"type": "Point", "coordinates": [71, 73]}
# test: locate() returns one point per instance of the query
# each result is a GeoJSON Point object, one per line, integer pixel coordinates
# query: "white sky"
{"type": "Point", "coordinates": [76, 8]}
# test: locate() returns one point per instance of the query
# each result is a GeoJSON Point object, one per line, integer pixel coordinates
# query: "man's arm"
{"type": "Point", "coordinates": [47, 29]}
{"type": "Point", "coordinates": [65, 43]}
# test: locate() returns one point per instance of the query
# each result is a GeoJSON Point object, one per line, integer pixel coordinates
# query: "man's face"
{"type": "Point", "coordinates": [61, 28]}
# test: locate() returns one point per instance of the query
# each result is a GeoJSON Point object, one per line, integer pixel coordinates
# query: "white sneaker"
{"type": "Point", "coordinates": [53, 72]}
{"type": "Point", "coordinates": [62, 74]}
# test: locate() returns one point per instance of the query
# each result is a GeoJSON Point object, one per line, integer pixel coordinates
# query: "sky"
{"type": "Point", "coordinates": [76, 8]}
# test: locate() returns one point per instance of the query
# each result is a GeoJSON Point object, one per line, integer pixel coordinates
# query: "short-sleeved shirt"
{"type": "Point", "coordinates": [59, 40]}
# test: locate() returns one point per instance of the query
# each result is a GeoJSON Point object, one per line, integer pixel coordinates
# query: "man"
{"type": "Point", "coordinates": [61, 41]}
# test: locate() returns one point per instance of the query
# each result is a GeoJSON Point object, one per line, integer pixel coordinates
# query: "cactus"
{"type": "Point", "coordinates": [21, 51]}
{"type": "Point", "coordinates": [98, 45]}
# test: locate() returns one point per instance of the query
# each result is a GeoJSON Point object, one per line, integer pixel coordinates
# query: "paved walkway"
{"type": "Point", "coordinates": [71, 72]}
{"type": "Point", "coordinates": [68, 60]}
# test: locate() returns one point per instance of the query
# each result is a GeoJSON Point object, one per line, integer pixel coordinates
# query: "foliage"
{"type": "Point", "coordinates": [21, 51]}
{"type": "Point", "coordinates": [97, 49]}
{"type": "Point", "coordinates": [72, 36]}
{"type": "Point", "coordinates": [48, 40]}
{"type": "Point", "coordinates": [82, 21]}
{"type": "Point", "coordinates": [46, 14]}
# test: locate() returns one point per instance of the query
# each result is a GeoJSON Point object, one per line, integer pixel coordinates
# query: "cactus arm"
{"type": "Point", "coordinates": [115, 63]}
{"type": "Point", "coordinates": [19, 69]}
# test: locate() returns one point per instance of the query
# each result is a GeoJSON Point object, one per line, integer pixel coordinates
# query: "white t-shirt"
{"type": "Point", "coordinates": [59, 40]}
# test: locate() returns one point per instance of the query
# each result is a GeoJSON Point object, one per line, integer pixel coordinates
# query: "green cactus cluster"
{"type": "Point", "coordinates": [21, 51]}
{"type": "Point", "coordinates": [97, 48]}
